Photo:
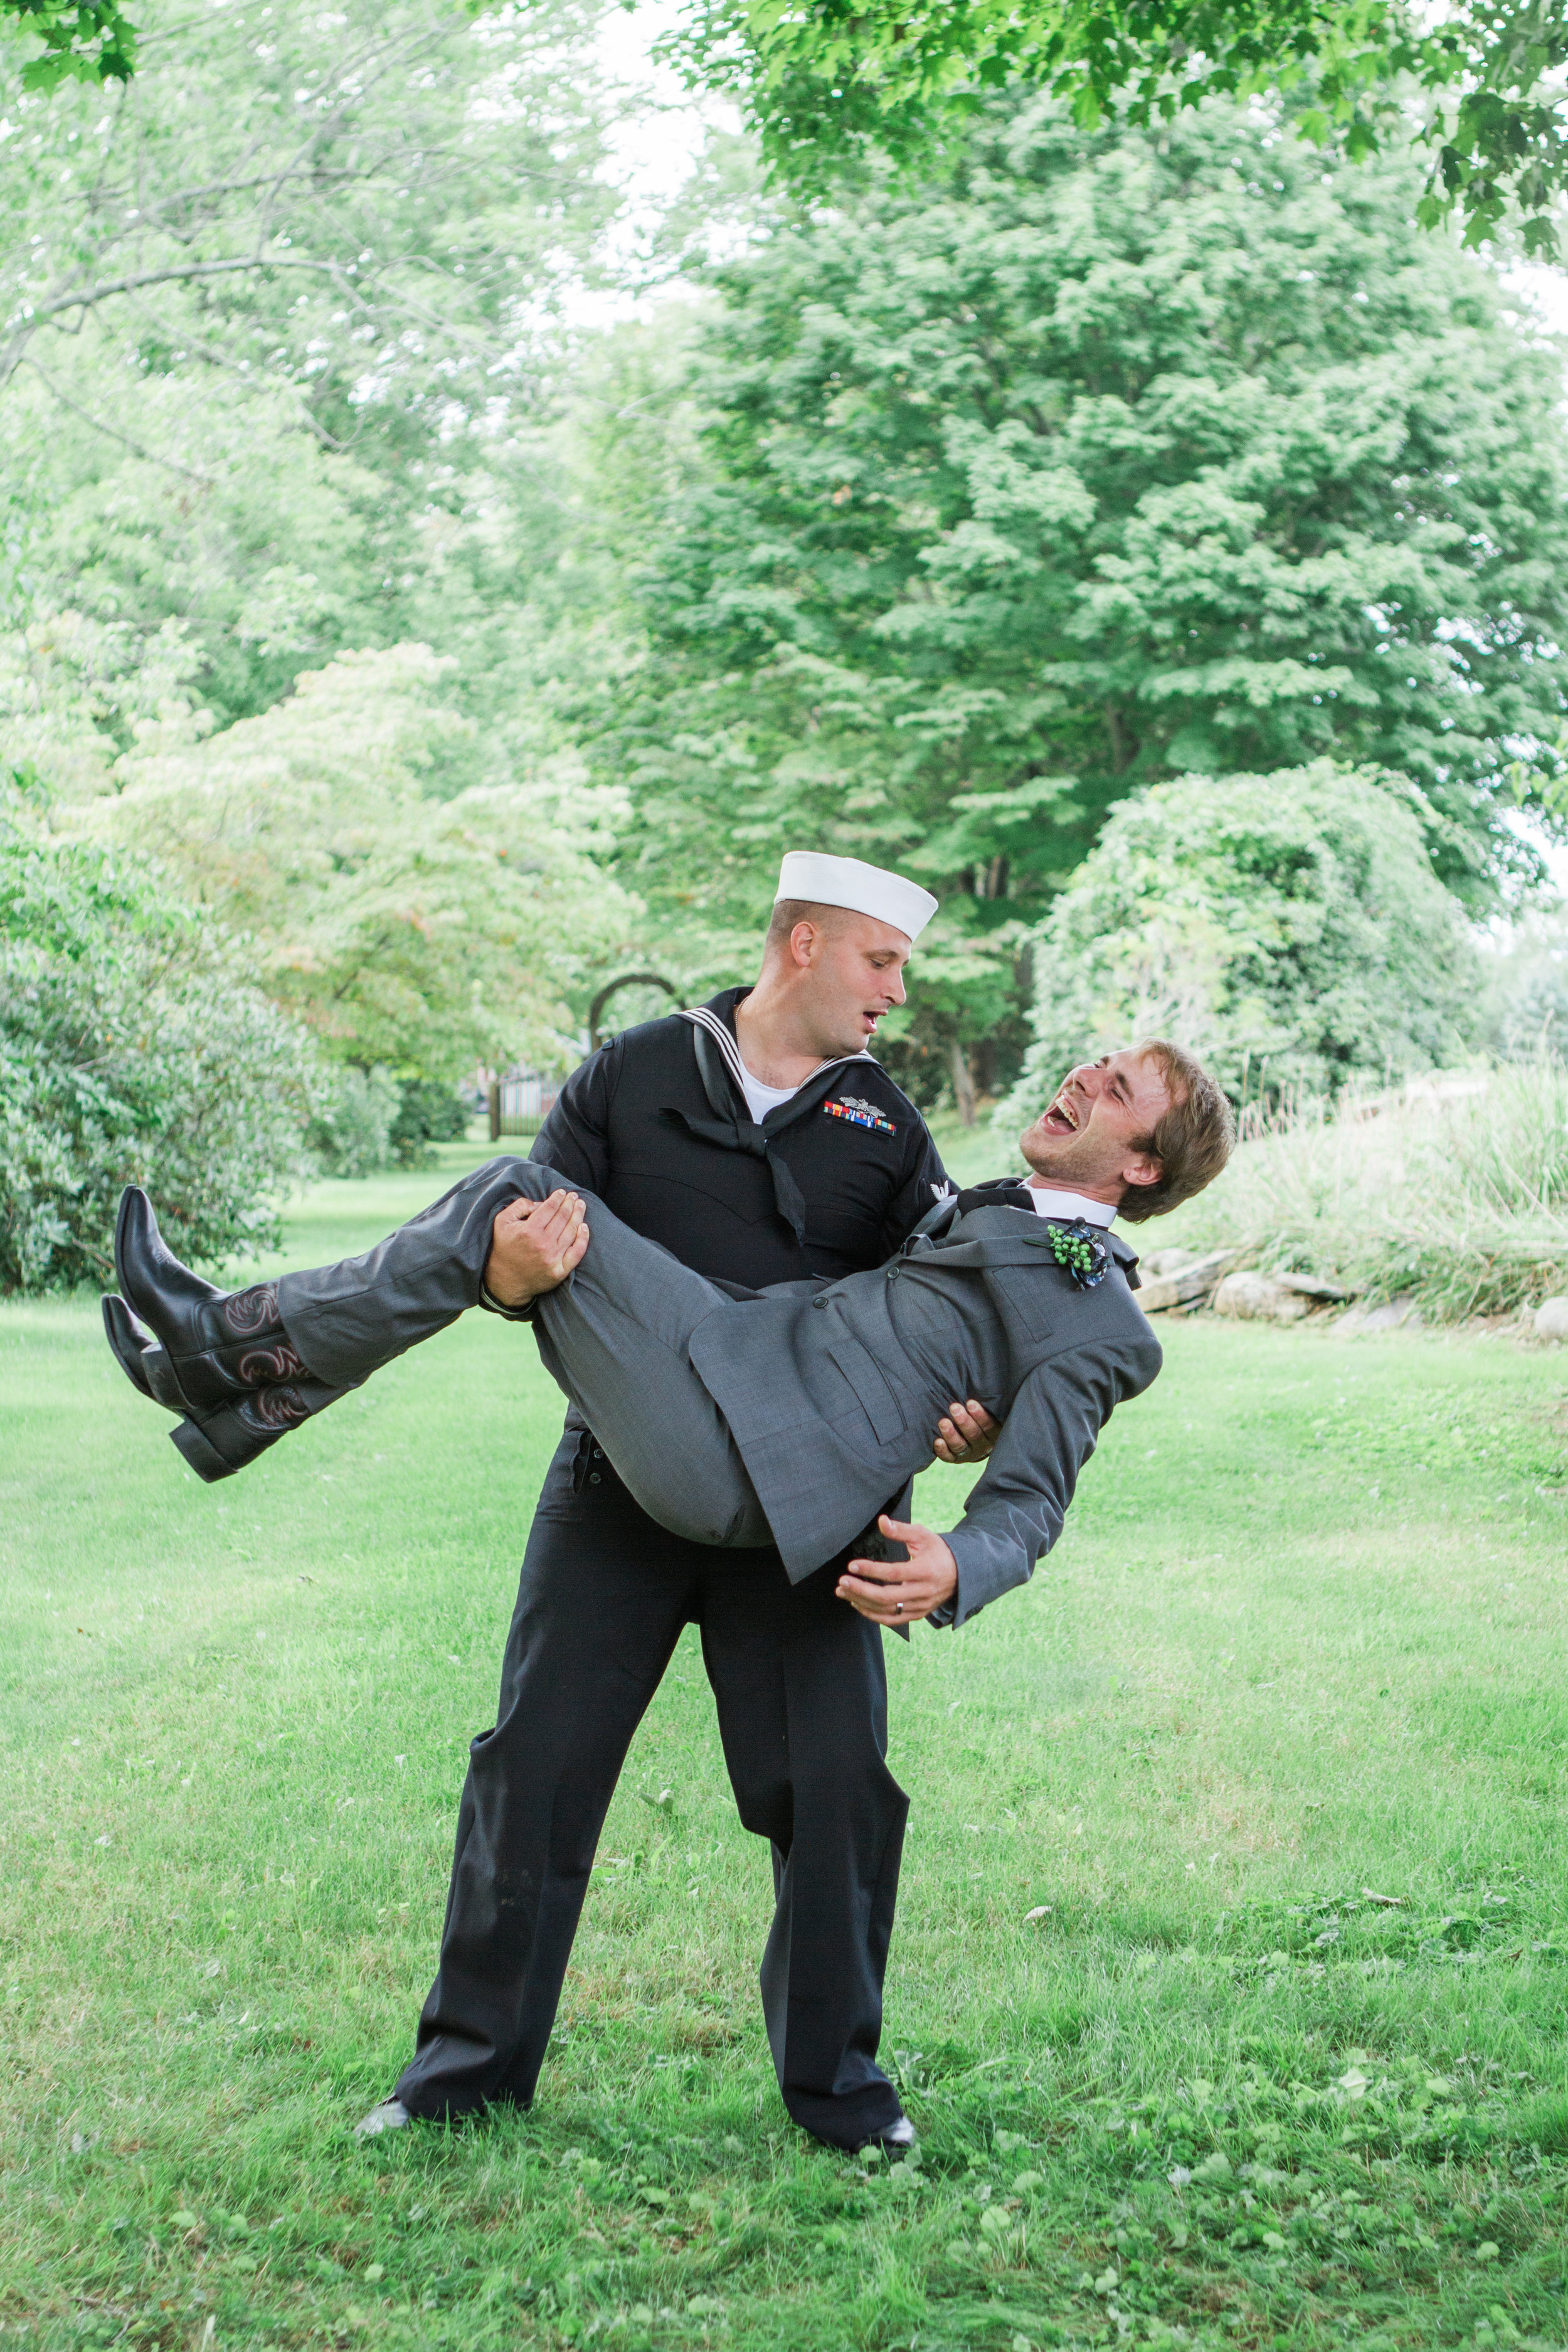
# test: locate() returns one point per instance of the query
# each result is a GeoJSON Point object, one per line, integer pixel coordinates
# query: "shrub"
{"type": "Point", "coordinates": [134, 1049]}
{"type": "Point", "coordinates": [366, 1120]}
{"type": "Point", "coordinates": [1453, 1192]}
{"type": "Point", "coordinates": [351, 1134]}
{"type": "Point", "coordinates": [428, 1111]}
{"type": "Point", "coordinates": [1288, 929]}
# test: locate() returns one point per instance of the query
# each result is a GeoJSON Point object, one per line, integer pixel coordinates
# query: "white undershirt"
{"type": "Point", "coordinates": [1049, 1203]}
{"type": "Point", "coordinates": [761, 1099]}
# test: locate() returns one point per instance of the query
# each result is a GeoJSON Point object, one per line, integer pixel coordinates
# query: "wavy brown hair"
{"type": "Point", "coordinates": [1192, 1142]}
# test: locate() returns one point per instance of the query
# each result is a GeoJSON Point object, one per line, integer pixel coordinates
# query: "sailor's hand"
{"type": "Point", "coordinates": [534, 1245]}
{"type": "Point", "coordinates": [898, 1591]}
{"type": "Point", "coordinates": [966, 1433]}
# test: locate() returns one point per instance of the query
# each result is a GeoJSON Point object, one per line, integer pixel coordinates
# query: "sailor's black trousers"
{"type": "Point", "coordinates": [801, 1689]}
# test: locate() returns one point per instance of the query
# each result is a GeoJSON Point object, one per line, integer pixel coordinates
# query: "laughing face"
{"type": "Point", "coordinates": [1091, 1137]}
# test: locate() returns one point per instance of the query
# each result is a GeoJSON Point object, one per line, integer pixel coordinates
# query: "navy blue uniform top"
{"type": "Point", "coordinates": [683, 1164]}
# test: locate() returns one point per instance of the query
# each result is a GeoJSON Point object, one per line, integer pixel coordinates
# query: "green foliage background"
{"type": "Point", "coordinates": [134, 1048]}
{"type": "Point", "coordinates": [1289, 929]}
{"type": "Point", "coordinates": [456, 651]}
{"type": "Point", "coordinates": [1093, 461]}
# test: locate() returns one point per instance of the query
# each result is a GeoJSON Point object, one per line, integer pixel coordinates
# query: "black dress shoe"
{"type": "Point", "coordinates": [219, 1345]}
{"type": "Point", "coordinates": [897, 2139]}
{"type": "Point", "coordinates": [143, 1363]}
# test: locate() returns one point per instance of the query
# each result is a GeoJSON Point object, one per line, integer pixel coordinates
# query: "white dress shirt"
{"type": "Point", "coordinates": [1049, 1203]}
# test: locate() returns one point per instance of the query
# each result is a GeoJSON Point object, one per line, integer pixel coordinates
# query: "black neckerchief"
{"type": "Point", "coordinates": [730, 1125]}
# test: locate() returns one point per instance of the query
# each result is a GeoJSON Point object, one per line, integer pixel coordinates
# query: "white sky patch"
{"type": "Point", "coordinates": [655, 147]}
{"type": "Point", "coordinates": [1500, 934]}
{"type": "Point", "coordinates": [1539, 287]}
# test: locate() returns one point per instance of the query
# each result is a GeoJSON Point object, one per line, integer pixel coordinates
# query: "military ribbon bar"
{"type": "Point", "coordinates": [860, 1114]}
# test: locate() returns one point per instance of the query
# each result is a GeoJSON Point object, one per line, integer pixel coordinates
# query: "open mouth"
{"type": "Point", "coordinates": [1061, 1118]}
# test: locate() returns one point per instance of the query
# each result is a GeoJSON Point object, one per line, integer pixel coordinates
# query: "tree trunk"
{"type": "Point", "coordinates": [962, 1084]}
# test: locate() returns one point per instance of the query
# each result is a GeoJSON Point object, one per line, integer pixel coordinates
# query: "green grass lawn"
{"type": "Point", "coordinates": [1179, 2076]}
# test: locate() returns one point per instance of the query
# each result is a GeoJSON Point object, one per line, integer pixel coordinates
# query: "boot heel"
{"type": "Point", "coordinates": [204, 1460]}
{"type": "Point", "coordinates": [217, 1444]}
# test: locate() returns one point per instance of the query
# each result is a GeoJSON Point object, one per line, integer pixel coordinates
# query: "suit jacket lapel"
{"type": "Point", "coordinates": [999, 1236]}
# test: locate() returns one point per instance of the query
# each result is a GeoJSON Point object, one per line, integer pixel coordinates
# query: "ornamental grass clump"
{"type": "Point", "coordinates": [1452, 1189]}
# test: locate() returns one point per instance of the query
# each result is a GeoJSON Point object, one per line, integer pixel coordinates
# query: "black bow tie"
{"type": "Point", "coordinates": [1009, 1193]}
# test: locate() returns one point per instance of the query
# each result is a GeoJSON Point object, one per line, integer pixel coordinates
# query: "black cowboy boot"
{"type": "Point", "coordinates": [139, 1356]}
{"type": "Point", "coordinates": [218, 1346]}
{"type": "Point", "coordinates": [217, 1444]}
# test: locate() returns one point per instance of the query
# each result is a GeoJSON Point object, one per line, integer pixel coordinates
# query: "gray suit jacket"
{"type": "Point", "coordinates": [832, 1397]}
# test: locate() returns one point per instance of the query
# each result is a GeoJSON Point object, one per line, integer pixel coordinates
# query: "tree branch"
{"type": "Point", "coordinates": [203, 481]}
{"type": "Point", "coordinates": [87, 297]}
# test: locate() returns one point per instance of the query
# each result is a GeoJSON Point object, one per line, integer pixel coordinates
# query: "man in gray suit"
{"type": "Point", "coordinates": [789, 1415]}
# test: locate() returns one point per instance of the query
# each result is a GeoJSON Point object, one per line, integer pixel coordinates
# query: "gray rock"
{"type": "Point", "coordinates": [1396, 1314]}
{"type": "Point", "coordinates": [1160, 1265]}
{"type": "Point", "coordinates": [1258, 1298]}
{"type": "Point", "coordinates": [1312, 1285]}
{"type": "Point", "coordinates": [1182, 1285]}
{"type": "Point", "coordinates": [1551, 1320]}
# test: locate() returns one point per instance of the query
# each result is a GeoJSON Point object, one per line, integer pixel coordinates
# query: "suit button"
{"type": "Point", "coordinates": [819, 1302]}
{"type": "Point", "coordinates": [599, 1453]}
{"type": "Point", "coordinates": [893, 1272]}
{"type": "Point", "coordinates": [592, 1477]}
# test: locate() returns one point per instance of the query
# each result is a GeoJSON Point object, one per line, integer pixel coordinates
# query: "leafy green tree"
{"type": "Point", "coordinates": [75, 691]}
{"type": "Point", "coordinates": [839, 76]}
{"type": "Point", "coordinates": [82, 40]}
{"type": "Point", "coordinates": [1288, 929]}
{"type": "Point", "coordinates": [405, 929]}
{"type": "Point", "coordinates": [283, 326]}
{"type": "Point", "coordinates": [1097, 460]}
{"type": "Point", "coordinates": [135, 1049]}
{"type": "Point", "coordinates": [381, 209]}
{"type": "Point", "coordinates": [832, 78]}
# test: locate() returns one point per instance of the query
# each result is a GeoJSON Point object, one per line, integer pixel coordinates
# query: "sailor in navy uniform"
{"type": "Point", "coordinates": [749, 1184]}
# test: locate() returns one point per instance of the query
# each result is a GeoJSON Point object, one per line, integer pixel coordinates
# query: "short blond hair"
{"type": "Point", "coordinates": [788, 912]}
{"type": "Point", "coordinates": [1192, 1142]}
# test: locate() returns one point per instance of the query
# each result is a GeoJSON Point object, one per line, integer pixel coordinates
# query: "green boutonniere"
{"type": "Point", "coordinates": [1079, 1247]}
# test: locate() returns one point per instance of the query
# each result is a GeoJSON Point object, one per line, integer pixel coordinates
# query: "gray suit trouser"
{"type": "Point", "coordinates": [616, 1337]}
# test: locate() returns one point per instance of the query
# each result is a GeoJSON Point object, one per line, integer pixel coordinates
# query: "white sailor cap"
{"type": "Point", "coordinates": [867, 889]}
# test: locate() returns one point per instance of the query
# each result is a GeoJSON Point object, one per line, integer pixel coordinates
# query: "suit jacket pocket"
{"type": "Point", "coordinates": [1029, 1295]}
{"type": "Point", "coordinates": [871, 1389]}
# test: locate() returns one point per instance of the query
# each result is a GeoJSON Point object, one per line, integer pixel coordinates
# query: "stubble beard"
{"type": "Point", "coordinates": [1071, 1161]}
